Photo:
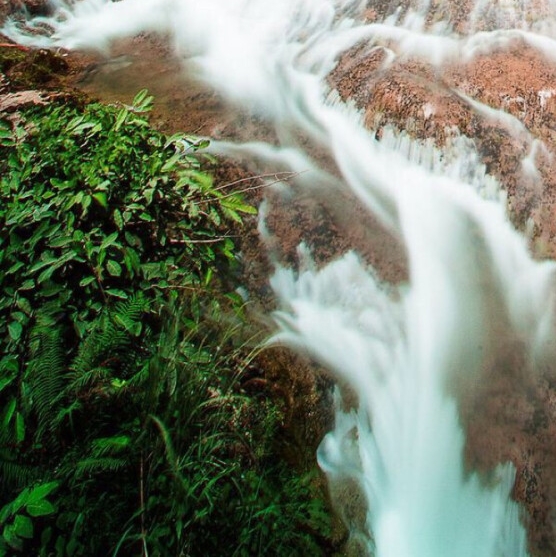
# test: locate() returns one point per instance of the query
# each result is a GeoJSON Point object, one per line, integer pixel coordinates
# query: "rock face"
{"type": "Point", "coordinates": [504, 98]}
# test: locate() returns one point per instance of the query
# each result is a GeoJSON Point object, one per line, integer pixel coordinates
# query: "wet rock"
{"type": "Point", "coordinates": [24, 7]}
{"type": "Point", "coordinates": [506, 102]}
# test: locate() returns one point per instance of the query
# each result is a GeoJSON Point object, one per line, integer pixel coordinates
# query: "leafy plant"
{"type": "Point", "coordinates": [125, 430]}
{"type": "Point", "coordinates": [16, 518]}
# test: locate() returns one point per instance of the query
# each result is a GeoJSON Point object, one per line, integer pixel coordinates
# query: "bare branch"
{"type": "Point", "coordinates": [278, 176]}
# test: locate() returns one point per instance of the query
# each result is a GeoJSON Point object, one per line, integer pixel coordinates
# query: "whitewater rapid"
{"type": "Point", "coordinates": [399, 348]}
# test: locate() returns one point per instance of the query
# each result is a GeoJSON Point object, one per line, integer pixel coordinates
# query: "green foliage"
{"type": "Point", "coordinates": [124, 428]}
{"type": "Point", "coordinates": [16, 517]}
{"type": "Point", "coordinates": [95, 206]}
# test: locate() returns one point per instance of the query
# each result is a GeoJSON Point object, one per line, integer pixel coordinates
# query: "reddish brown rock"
{"type": "Point", "coordinates": [511, 415]}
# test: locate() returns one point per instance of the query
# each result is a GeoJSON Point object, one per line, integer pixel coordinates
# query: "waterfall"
{"type": "Point", "coordinates": [408, 353]}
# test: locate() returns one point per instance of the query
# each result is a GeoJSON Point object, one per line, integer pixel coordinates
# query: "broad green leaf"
{"type": "Point", "coordinates": [46, 274]}
{"type": "Point", "coordinates": [40, 508]}
{"type": "Point", "coordinates": [109, 240]}
{"type": "Point", "coordinates": [152, 270]}
{"type": "Point", "coordinates": [20, 317]}
{"type": "Point", "coordinates": [60, 546]}
{"type": "Point", "coordinates": [47, 258]}
{"type": "Point", "coordinates": [86, 281]}
{"type": "Point", "coordinates": [46, 536]}
{"type": "Point", "coordinates": [15, 267]}
{"type": "Point", "coordinates": [202, 144]}
{"type": "Point", "coordinates": [60, 242]}
{"type": "Point", "coordinates": [142, 101]}
{"type": "Point", "coordinates": [56, 264]}
{"type": "Point", "coordinates": [40, 491]}
{"type": "Point", "coordinates": [148, 194]}
{"type": "Point", "coordinates": [85, 205]}
{"type": "Point", "coordinates": [51, 289]}
{"type": "Point", "coordinates": [24, 305]}
{"type": "Point", "coordinates": [116, 293]}
{"type": "Point", "coordinates": [132, 239]}
{"type": "Point", "coordinates": [28, 284]}
{"type": "Point", "coordinates": [11, 538]}
{"type": "Point", "coordinates": [171, 163]}
{"type": "Point", "coordinates": [15, 329]}
{"type": "Point", "coordinates": [78, 130]}
{"type": "Point", "coordinates": [74, 123]}
{"type": "Point", "coordinates": [132, 260]}
{"type": "Point", "coordinates": [114, 268]}
{"type": "Point", "coordinates": [118, 219]}
{"type": "Point", "coordinates": [6, 135]}
{"type": "Point", "coordinates": [101, 198]}
{"type": "Point", "coordinates": [23, 526]}
{"type": "Point", "coordinates": [35, 502]}
{"type": "Point", "coordinates": [122, 115]}
{"type": "Point", "coordinates": [140, 97]}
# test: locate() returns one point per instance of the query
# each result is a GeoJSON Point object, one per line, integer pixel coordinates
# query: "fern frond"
{"type": "Point", "coordinates": [141, 377]}
{"type": "Point", "coordinates": [67, 411]}
{"type": "Point", "coordinates": [99, 345]}
{"type": "Point", "coordinates": [103, 454]}
{"type": "Point", "coordinates": [81, 382]}
{"type": "Point", "coordinates": [92, 466]}
{"type": "Point", "coordinates": [112, 343]}
{"type": "Point", "coordinates": [14, 475]}
{"type": "Point", "coordinates": [130, 313]}
{"type": "Point", "coordinates": [45, 376]}
{"type": "Point", "coordinates": [110, 446]}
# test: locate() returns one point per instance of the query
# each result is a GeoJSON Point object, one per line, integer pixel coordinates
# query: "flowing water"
{"type": "Point", "coordinates": [475, 305]}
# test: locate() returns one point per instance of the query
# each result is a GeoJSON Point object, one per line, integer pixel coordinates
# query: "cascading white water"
{"type": "Point", "coordinates": [471, 281]}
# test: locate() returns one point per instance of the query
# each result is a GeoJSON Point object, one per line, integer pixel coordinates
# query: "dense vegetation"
{"type": "Point", "coordinates": [124, 427]}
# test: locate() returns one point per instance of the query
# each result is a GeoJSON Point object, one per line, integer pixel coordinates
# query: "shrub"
{"type": "Point", "coordinates": [124, 427]}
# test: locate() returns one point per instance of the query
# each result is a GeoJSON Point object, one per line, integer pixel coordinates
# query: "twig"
{"type": "Point", "coordinates": [250, 188]}
{"type": "Point", "coordinates": [194, 132]}
{"type": "Point", "coordinates": [275, 175]}
{"type": "Point", "coordinates": [211, 241]}
{"type": "Point", "coordinates": [244, 190]}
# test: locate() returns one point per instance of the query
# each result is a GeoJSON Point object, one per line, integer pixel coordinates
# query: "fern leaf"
{"type": "Point", "coordinates": [110, 446]}
{"type": "Point", "coordinates": [45, 377]}
{"type": "Point", "coordinates": [14, 475]}
{"type": "Point", "coordinates": [92, 466]}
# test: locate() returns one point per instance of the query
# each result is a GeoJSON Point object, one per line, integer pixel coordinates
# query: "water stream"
{"type": "Point", "coordinates": [411, 352]}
